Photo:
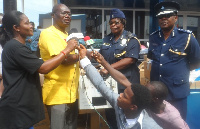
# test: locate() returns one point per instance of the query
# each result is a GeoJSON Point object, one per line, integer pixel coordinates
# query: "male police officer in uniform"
{"type": "Point", "coordinates": [174, 53]}
{"type": "Point", "coordinates": [120, 49]}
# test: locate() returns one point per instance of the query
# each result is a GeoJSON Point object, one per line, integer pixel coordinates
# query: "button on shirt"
{"type": "Point", "coordinates": [171, 60]}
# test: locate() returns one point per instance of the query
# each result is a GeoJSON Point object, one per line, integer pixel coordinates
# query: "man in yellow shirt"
{"type": "Point", "coordinates": [60, 85]}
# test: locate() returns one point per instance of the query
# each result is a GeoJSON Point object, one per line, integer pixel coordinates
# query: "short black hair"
{"type": "Point", "coordinates": [142, 96]}
{"type": "Point", "coordinates": [32, 23]}
{"type": "Point", "coordinates": [160, 90]}
{"type": "Point", "coordinates": [123, 21]}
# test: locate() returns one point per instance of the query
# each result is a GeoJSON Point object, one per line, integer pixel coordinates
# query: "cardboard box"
{"type": "Point", "coordinates": [144, 81]}
{"type": "Point", "coordinates": [147, 69]}
{"type": "Point", "coordinates": [141, 73]}
{"type": "Point", "coordinates": [195, 85]}
{"type": "Point", "coordinates": [141, 66]}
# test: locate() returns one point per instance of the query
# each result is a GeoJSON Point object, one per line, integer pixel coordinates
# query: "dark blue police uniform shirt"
{"type": "Point", "coordinates": [114, 51]}
{"type": "Point", "coordinates": [171, 60]}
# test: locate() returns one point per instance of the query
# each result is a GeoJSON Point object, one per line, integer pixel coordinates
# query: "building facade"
{"type": "Point", "coordinates": [91, 17]}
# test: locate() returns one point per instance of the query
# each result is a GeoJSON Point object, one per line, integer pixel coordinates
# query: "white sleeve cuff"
{"type": "Point", "coordinates": [84, 62]}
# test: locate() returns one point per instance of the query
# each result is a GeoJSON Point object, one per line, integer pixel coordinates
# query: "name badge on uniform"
{"type": "Point", "coordinates": [106, 44]}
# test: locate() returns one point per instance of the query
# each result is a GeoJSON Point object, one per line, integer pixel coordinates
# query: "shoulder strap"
{"type": "Point", "coordinates": [188, 41]}
{"type": "Point", "coordinates": [130, 36]}
{"type": "Point", "coordinates": [182, 53]}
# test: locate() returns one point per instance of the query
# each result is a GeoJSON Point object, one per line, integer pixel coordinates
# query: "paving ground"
{"type": "Point", "coordinates": [83, 122]}
{"type": "Point", "coordinates": [43, 124]}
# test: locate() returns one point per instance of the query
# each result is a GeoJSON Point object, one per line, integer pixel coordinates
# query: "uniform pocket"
{"type": "Point", "coordinates": [120, 51]}
{"type": "Point", "coordinates": [155, 54]}
{"type": "Point", "coordinates": [176, 52]}
{"type": "Point", "coordinates": [104, 50]}
{"type": "Point", "coordinates": [180, 81]}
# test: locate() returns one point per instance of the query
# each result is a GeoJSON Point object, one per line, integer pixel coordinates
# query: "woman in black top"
{"type": "Point", "coordinates": [21, 103]}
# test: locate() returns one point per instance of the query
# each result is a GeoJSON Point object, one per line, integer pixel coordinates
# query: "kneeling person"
{"type": "Point", "coordinates": [129, 106]}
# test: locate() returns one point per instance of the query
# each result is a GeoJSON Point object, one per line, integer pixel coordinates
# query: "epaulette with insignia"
{"type": "Point", "coordinates": [187, 31]}
{"type": "Point", "coordinates": [193, 35]}
{"type": "Point", "coordinates": [130, 35]}
{"type": "Point", "coordinates": [154, 32]}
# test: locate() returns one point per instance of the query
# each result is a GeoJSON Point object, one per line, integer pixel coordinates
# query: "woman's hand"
{"type": "Point", "coordinates": [82, 51]}
{"type": "Point", "coordinates": [98, 57]}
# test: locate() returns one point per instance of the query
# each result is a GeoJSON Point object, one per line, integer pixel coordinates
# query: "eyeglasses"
{"type": "Point", "coordinates": [115, 23]}
{"type": "Point", "coordinates": [165, 16]}
{"type": "Point", "coordinates": [66, 13]}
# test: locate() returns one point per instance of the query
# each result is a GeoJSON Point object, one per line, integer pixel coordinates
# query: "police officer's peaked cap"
{"type": "Point", "coordinates": [116, 13]}
{"type": "Point", "coordinates": [166, 8]}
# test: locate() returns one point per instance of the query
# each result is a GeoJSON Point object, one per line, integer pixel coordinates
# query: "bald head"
{"type": "Point", "coordinates": [58, 7]}
{"type": "Point", "coordinates": [158, 89]}
{"type": "Point", "coordinates": [61, 15]}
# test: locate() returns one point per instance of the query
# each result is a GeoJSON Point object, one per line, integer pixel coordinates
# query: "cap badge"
{"type": "Point", "coordinates": [162, 7]}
